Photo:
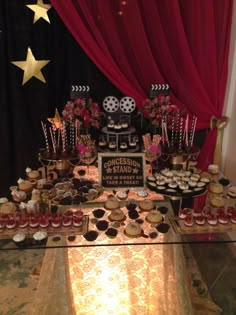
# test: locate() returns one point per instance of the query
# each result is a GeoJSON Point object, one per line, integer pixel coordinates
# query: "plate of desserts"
{"type": "Point", "coordinates": [178, 183]}
{"type": "Point", "coordinates": [208, 219]}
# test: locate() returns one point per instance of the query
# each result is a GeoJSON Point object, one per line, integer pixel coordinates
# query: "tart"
{"type": "Point", "coordinates": [133, 229]}
{"type": "Point", "coordinates": [215, 188]}
{"type": "Point", "coordinates": [217, 202]}
{"type": "Point", "coordinates": [25, 186]}
{"type": "Point", "coordinates": [111, 204]}
{"type": "Point", "coordinates": [154, 216]}
{"type": "Point", "coordinates": [8, 207]}
{"type": "Point", "coordinates": [116, 215]}
{"type": "Point", "coordinates": [146, 205]}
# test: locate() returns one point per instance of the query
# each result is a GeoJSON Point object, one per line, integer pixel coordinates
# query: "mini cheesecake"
{"type": "Point", "coordinates": [197, 212]}
{"type": "Point", "coordinates": [212, 219]}
{"type": "Point", "coordinates": [223, 219]}
{"type": "Point", "coordinates": [189, 221]}
{"type": "Point", "coordinates": [44, 222]}
{"type": "Point", "coordinates": [77, 221]}
{"type": "Point", "coordinates": [233, 218]}
{"type": "Point", "coordinates": [56, 221]}
{"type": "Point", "coordinates": [200, 220]}
{"type": "Point", "coordinates": [34, 222]}
{"type": "Point", "coordinates": [66, 221]}
{"type": "Point", "coordinates": [183, 213]}
{"type": "Point", "coordinates": [11, 224]}
{"type": "Point", "coordinates": [23, 223]}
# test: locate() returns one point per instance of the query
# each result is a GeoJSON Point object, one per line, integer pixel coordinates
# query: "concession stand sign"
{"type": "Point", "coordinates": [123, 170]}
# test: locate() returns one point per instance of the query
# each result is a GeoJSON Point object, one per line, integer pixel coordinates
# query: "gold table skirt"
{"type": "Point", "coordinates": [119, 280]}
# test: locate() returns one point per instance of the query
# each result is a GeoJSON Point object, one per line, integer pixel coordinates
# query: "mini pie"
{"type": "Point", "coordinates": [133, 229]}
{"type": "Point", "coordinates": [111, 204]}
{"type": "Point", "coordinates": [8, 207]}
{"type": "Point", "coordinates": [146, 205]}
{"type": "Point", "coordinates": [116, 215]}
{"type": "Point", "coordinates": [154, 216]}
{"type": "Point", "coordinates": [33, 174]}
{"type": "Point", "coordinates": [216, 188]}
{"type": "Point", "coordinates": [217, 202]}
{"type": "Point", "coordinates": [25, 186]}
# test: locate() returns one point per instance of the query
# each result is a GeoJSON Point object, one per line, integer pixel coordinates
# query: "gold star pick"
{"type": "Point", "coordinates": [40, 10]}
{"type": "Point", "coordinates": [56, 120]}
{"type": "Point", "coordinates": [31, 67]}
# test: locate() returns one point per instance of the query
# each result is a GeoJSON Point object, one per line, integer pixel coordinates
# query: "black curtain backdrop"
{"type": "Point", "coordinates": [23, 107]}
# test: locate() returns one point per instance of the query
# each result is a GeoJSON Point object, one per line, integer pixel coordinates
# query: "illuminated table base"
{"type": "Point", "coordinates": [127, 280]}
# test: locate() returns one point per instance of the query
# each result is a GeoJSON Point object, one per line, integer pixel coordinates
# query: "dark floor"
{"type": "Point", "coordinates": [217, 264]}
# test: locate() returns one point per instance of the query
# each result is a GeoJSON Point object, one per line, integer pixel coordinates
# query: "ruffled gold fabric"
{"type": "Point", "coordinates": [53, 296]}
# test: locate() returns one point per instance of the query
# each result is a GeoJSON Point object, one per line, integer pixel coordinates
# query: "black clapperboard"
{"type": "Point", "coordinates": [122, 170]}
{"type": "Point", "coordinates": [157, 89]}
{"type": "Point", "coordinates": [79, 91]}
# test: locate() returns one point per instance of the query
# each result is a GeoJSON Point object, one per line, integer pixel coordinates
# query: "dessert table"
{"type": "Point", "coordinates": [114, 276]}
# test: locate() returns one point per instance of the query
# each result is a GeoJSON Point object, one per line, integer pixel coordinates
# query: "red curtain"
{"type": "Point", "coordinates": [136, 43]}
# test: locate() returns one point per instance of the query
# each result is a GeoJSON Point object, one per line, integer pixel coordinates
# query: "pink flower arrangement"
{"type": "Point", "coordinates": [84, 110]}
{"type": "Point", "coordinates": [155, 109]}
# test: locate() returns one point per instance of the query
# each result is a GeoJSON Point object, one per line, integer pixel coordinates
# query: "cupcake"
{"type": "Point", "coordinates": [117, 127]}
{"type": "Point", "coordinates": [19, 239]}
{"type": "Point", "coordinates": [102, 143]}
{"type": "Point", "coordinates": [110, 125]}
{"type": "Point", "coordinates": [123, 146]}
{"type": "Point", "coordinates": [112, 146]}
{"type": "Point", "coordinates": [40, 237]}
{"type": "Point", "coordinates": [124, 126]}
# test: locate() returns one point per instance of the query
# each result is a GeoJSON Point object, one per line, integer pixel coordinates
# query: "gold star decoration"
{"type": "Point", "coordinates": [40, 10]}
{"type": "Point", "coordinates": [56, 120]}
{"type": "Point", "coordinates": [31, 67]}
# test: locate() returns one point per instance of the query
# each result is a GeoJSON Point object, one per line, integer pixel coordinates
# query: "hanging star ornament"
{"type": "Point", "coordinates": [31, 67]}
{"type": "Point", "coordinates": [40, 10]}
{"type": "Point", "coordinates": [56, 120]}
